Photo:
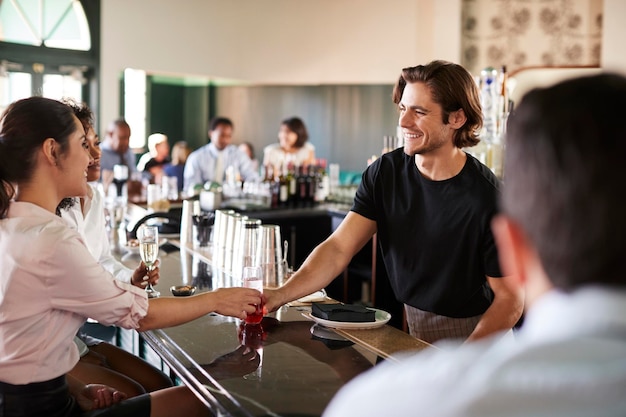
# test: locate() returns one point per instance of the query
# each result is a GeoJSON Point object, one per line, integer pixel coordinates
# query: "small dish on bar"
{"type": "Point", "coordinates": [182, 290]}
{"type": "Point", "coordinates": [132, 246]}
{"type": "Point", "coordinates": [382, 317]}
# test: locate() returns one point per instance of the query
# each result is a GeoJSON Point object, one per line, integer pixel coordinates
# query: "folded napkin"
{"type": "Point", "coordinates": [343, 312]}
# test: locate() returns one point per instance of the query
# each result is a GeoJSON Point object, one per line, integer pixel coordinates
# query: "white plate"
{"type": "Point", "coordinates": [315, 297]}
{"type": "Point", "coordinates": [382, 317]}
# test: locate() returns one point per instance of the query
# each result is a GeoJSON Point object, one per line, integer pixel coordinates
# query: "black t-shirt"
{"type": "Point", "coordinates": [435, 236]}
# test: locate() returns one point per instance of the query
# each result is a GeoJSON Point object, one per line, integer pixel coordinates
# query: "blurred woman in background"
{"type": "Point", "coordinates": [292, 147]}
{"type": "Point", "coordinates": [176, 168]}
{"type": "Point", "coordinates": [248, 149]}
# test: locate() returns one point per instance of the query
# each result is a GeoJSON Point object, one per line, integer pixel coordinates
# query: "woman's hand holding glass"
{"type": "Point", "coordinates": [143, 275]}
{"type": "Point", "coordinates": [149, 250]}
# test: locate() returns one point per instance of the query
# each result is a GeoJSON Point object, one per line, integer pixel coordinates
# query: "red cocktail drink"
{"type": "Point", "coordinates": [253, 278]}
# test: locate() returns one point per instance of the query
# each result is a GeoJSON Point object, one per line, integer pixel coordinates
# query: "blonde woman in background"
{"type": "Point", "coordinates": [176, 168]}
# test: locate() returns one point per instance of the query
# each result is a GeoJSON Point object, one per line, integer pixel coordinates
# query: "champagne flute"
{"type": "Point", "coordinates": [149, 249]}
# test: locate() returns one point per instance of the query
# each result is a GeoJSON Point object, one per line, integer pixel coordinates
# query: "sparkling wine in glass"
{"type": "Point", "coordinates": [253, 278]}
{"type": "Point", "coordinates": [149, 250]}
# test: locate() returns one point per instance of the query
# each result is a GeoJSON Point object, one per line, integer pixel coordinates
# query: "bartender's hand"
{"type": "Point", "coordinates": [273, 299]}
{"type": "Point", "coordinates": [95, 396]}
{"type": "Point", "coordinates": [142, 276]}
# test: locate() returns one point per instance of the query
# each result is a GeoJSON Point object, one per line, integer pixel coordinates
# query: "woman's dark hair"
{"type": "Point", "coordinates": [564, 179]}
{"type": "Point", "coordinates": [85, 117]}
{"type": "Point", "coordinates": [25, 125]}
{"type": "Point", "coordinates": [81, 111]}
{"type": "Point", "coordinates": [296, 125]}
{"type": "Point", "coordinates": [453, 88]}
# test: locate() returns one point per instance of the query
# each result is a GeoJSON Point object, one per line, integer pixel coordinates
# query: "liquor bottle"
{"type": "Point", "coordinates": [303, 188]}
{"type": "Point", "coordinates": [270, 184]}
{"type": "Point", "coordinates": [311, 184]}
{"type": "Point", "coordinates": [489, 100]}
{"type": "Point", "coordinates": [291, 181]}
{"type": "Point", "coordinates": [120, 176]}
{"type": "Point", "coordinates": [283, 185]}
{"type": "Point", "coordinates": [323, 183]}
{"type": "Point", "coordinates": [503, 111]}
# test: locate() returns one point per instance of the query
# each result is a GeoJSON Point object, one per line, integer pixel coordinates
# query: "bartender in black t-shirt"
{"type": "Point", "coordinates": [431, 205]}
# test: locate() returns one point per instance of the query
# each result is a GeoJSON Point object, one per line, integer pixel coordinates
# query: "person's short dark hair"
{"type": "Point", "coordinates": [296, 125]}
{"type": "Point", "coordinates": [216, 121]}
{"type": "Point", "coordinates": [564, 178]}
{"type": "Point", "coordinates": [120, 121]}
{"type": "Point", "coordinates": [453, 88]}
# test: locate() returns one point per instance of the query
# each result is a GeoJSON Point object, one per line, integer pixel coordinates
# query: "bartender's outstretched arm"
{"type": "Point", "coordinates": [325, 262]}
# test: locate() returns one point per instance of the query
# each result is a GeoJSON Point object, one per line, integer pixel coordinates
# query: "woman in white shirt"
{"type": "Point", "coordinates": [50, 283]}
{"type": "Point", "coordinates": [101, 361]}
{"type": "Point", "coordinates": [292, 147]}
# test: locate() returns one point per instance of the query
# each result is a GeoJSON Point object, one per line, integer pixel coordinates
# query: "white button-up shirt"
{"type": "Point", "coordinates": [569, 359]}
{"type": "Point", "coordinates": [201, 164]}
{"type": "Point", "coordinates": [49, 284]}
{"type": "Point", "coordinates": [91, 224]}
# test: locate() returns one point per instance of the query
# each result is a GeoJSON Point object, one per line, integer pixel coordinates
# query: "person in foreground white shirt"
{"type": "Point", "coordinates": [563, 234]}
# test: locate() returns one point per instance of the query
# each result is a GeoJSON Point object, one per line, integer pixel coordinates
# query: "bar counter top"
{"type": "Point", "coordinates": [286, 366]}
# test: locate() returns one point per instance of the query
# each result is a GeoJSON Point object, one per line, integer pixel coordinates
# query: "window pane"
{"type": "Point", "coordinates": [14, 86]}
{"type": "Point", "coordinates": [53, 12]}
{"type": "Point", "coordinates": [72, 31]}
{"type": "Point", "coordinates": [15, 26]}
{"type": "Point", "coordinates": [55, 23]}
{"type": "Point", "coordinates": [61, 86]}
{"type": "Point", "coordinates": [135, 106]}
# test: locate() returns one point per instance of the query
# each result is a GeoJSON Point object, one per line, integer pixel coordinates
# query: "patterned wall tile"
{"type": "Point", "coordinates": [522, 33]}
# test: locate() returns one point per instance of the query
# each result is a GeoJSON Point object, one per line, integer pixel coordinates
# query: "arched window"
{"type": "Point", "coordinates": [49, 48]}
{"type": "Point", "coordinates": [51, 23]}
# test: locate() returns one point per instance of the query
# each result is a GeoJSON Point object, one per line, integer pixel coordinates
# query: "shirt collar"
{"type": "Point", "coordinates": [594, 309]}
{"type": "Point", "coordinates": [25, 209]}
